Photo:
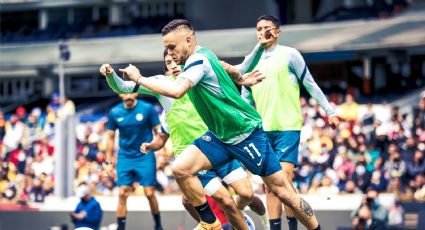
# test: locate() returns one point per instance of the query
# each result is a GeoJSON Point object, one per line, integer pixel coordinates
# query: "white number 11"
{"type": "Point", "coordinates": [249, 151]}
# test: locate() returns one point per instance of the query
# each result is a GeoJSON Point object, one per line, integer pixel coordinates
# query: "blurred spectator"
{"type": "Point", "coordinates": [68, 109]}
{"type": "Point", "coordinates": [371, 155]}
{"type": "Point", "coordinates": [349, 109]}
{"type": "Point", "coordinates": [315, 185]}
{"type": "Point", "coordinates": [54, 104]}
{"type": "Point", "coordinates": [14, 133]}
{"type": "Point", "coordinates": [2, 127]}
{"type": "Point", "coordinates": [396, 216]}
{"type": "Point", "coordinates": [364, 219]}
{"type": "Point", "coordinates": [37, 193]}
{"type": "Point", "coordinates": [368, 122]}
{"type": "Point", "coordinates": [395, 166]}
{"type": "Point", "coordinates": [402, 192]}
{"type": "Point", "coordinates": [343, 163]}
{"type": "Point", "coordinates": [408, 148]}
{"type": "Point", "coordinates": [420, 193]}
{"type": "Point", "coordinates": [416, 166]}
{"type": "Point", "coordinates": [379, 212]}
{"type": "Point", "coordinates": [361, 176]}
{"type": "Point", "coordinates": [34, 127]}
{"type": "Point", "coordinates": [419, 116]}
{"type": "Point", "coordinates": [418, 184]}
{"type": "Point", "coordinates": [88, 212]}
{"type": "Point", "coordinates": [327, 187]}
{"type": "Point", "coordinates": [350, 188]}
{"type": "Point", "coordinates": [21, 113]}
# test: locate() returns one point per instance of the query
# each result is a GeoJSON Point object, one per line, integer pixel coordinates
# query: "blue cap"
{"type": "Point", "coordinates": [55, 96]}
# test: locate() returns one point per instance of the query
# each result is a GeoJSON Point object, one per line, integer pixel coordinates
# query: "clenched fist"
{"type": "Point", "coordinates": [132, 72]}
{"type": "Point", "coordinates": [106, 69]}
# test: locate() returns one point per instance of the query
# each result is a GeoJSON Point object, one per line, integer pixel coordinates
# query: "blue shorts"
{"type": "Point", "coordinates": [139, 169]}
{"type": "Point", "coordinates": [255, 152]}
{"type": "Point", "coordinates": [285, 145]}
{"type": "Point", "coordinates": [229, 173]}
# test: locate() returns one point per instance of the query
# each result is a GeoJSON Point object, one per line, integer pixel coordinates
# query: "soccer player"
{"type": "Point", "coordinates": [277, 100]}
{"type": "Point", "coordinates": [185, 126]}
{"type": "Point", "coordinates": [136, 122]}
{"type": "Point", "coordinates": [234, 126]}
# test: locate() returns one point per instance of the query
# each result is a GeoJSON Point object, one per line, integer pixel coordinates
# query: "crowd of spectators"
{"type": "Point", "coordinates": [27, 152]}
{"type": "Point", "coordinates": [376, 147]}
{"type": "Point", "coordinates": [367, 150]}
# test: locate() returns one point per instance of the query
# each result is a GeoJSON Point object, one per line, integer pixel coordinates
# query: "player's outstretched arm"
{"type": "Point", "coordinates": [174, 89]}
{"type": "Point", "coordinates": [251, 60]}
{"type": "Point", "coordinates": [296, 61]}
{"type": "Point", "coordinates": [248, 79]}
{"type": "Point", "coordinates": [118, 85]}
{"type": "Point", "coordinates": [115, 82]}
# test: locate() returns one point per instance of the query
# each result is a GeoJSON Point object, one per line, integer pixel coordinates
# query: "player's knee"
{"type": "Point", "coordinates": [123, 194]}
{"type": "Point", "coordinates": [179, 171]}
{"type": "Point", "coordinates": [150, 194]}
{"type": "Point", "coordinates": [247, 195]}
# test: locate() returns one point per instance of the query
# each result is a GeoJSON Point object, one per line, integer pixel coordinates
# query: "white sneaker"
{"type": "Point", "coordinates": [248, 221]}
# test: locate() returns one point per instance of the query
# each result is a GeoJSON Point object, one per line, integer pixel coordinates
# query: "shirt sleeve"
{"type": "Point", "coordinates": [153, 116]}
{"type": "Point", "coordinates": [118, 85]}
{"type": "Point", "coordinates": [299, 68]}
{"type": "Point", "coordinates": [112, 125]}
{"type": "Point", "coordinates": [78, 208]}
{"type": "Point", "coordinates": [196, 67]}
{"type": "Point", "coordinates": [251, 60]}
{"type": "Point", "coordinates": [164, 124]}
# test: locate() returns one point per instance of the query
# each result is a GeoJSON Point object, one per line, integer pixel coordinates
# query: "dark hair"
{"type": "Point", "coordinates": [165, 55]}
{"type": "Point", "coordinates": [176, 24]}
{"type": "Point", "coordinates": [269, 18]}
{"type": "Point", "coordinates": [165, 52]}
{"type": "Point", "coordinates": [82, 183]}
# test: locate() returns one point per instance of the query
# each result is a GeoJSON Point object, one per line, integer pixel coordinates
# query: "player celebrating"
{"type": "Point", "coordinates": [135, 120]}
{"type": "Point", "coordinates": [234, 126]}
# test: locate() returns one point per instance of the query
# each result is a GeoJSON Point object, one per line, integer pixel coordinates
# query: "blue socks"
{"type": "Point", "coordinates": [121, 223]}
{"type": "Point", "coordinates": [292, 223]}
{"type": "Point", "coordinates": [275, 224]}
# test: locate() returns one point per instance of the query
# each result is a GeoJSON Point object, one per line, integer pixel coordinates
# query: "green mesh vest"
{"type": "Point", "coordinates": [184, 123]}
{"type": "Point", "coordinates": [227, 115]}
{"type": "Point", "coordinates": [277, 98]}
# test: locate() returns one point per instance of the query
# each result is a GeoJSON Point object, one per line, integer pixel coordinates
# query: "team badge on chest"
{"type": "Point", "coordinates": [139, 117]}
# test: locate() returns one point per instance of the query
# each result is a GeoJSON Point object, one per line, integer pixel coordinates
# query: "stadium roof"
{"type": "Point", "coordinates": [342, 39]}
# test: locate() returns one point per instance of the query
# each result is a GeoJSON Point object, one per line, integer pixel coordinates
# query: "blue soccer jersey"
{"type": "Point", "coordinates": [134, 125]}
